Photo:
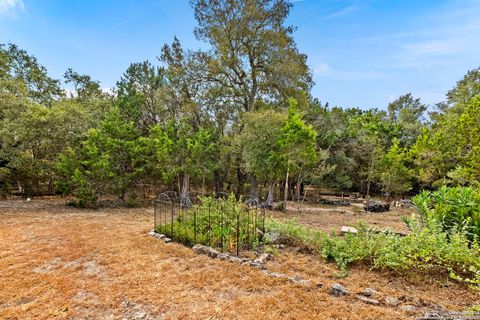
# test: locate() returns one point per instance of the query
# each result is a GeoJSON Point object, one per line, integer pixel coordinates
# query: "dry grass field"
{"type": "Point", "coordinates": [58, 262]}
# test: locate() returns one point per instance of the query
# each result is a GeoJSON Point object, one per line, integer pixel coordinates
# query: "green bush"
{"type": "Point", "coordinates": [216, 223]}
{"type": "Point", "coordinates": [425, 249]}
{"type": "Point", "coordinates": [454, 208]}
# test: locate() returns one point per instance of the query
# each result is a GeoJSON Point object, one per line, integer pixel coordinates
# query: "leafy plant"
{"type": "Point", "coordinates": [222, 223]}
{"type": "Point", "coordinates": [425, 249]}
{"type": "Point", "coordinates": [456, 208]}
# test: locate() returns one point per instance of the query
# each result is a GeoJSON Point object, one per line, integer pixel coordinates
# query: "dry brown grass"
{"type": "Point", "coordinates": [65, 263]}
{"type": "Point", "coordinates": [332, 218]}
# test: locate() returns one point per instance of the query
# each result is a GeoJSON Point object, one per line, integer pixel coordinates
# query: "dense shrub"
{"type": "Point", "coordinates": [453, 208]}
{"type": "Point", "coordinates": [427, 248]}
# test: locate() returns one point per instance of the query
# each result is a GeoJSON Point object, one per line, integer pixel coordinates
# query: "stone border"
{"type": "Point", "coordinates": [258, 263]}
{"type": "Point", "coordinates": [160, 236]}
{"type": "Point", "coordinates": [367, 296]}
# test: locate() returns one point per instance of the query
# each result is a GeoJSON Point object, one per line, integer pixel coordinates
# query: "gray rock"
{"type": "Point", "coordinates": [347, 229]}
{"type": "Point", "coordinates": [435, 315]}
{"type": "Point", "coordinates": [139, 315]}
{"type": "Point", "coordinates": [273, 237]}
{"type": "Point", "coordinates": [392, 301]}
{"type": "Point", "coordinates": [338, 290]}
{"type": "Point", "coordinates": [264, 257]}
{"type": "Point", "coordinates": [201, 249]}
{"type": "Point", "coordinates": [223, 256]}
{"type": "Point", "coordinates": [274, 274]}
{"type": "Point", "coordinates": [437, 308]}
{"type": "Point", "coordinates": [234, 259]}
{"type": "Point", "coordinates": [299, 281]}
{"type": "Point", "coordinates": [295, 279]}
{"type": "Point", "coordinates": [409, 308]}
{"type": "Point", "coordinates": [260, 261]}
{"type": "Point", "coordinates": [256, 264]}
{"type": "Point", "coordinates": [167, 240]}
{"type": "Point", "coordinates": [368, 300]}
{"type": "Point", "coordinates": [369, 292]}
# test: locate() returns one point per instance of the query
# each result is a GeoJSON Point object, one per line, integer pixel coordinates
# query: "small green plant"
{"type": "Point", "coordinates": [475, 308]}
{"type": "Point", "coordinates": [427, 248]}
{"type": "Point", "coordinates": [221, 223]}
{"type": "Point", "coordinates": [455, 208]}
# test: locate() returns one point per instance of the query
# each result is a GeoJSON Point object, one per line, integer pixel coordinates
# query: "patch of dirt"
{"type": "Point", "coordinates": [332, 218]}
{"type": "Point", "coordinates": [67, 263]}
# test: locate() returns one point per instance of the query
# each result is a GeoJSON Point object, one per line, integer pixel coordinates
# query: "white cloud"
{"type": "Point", "coordinates": [433, 47]}
{"type": "Point", "coordinates": [325, 71]}
{"type": "Point", "coordinates": [108, 90]}
{"type": "Point", "coordinates": [340, 12]}
{"type": "Point", "coordinates": [321, 68]}
{"type": "Point", "coordinates": [10, 7]}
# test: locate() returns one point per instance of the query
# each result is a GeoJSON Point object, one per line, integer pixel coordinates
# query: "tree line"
{"type": "Point", "coordinates": [237, 118]}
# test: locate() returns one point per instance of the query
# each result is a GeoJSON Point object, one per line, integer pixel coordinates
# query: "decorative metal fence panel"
{"type": "Point", "coordinates": [221, 222]}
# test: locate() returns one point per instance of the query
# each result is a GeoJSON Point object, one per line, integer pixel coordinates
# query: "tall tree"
{"type": "Point", "coordinates": [259, 148]}
{"type": "Point", "coordinates": [297, 147]}
{"type": "Point", "coordinates": [142, 95]}
{"type": "Point", "coordinates": [253, 53]}
{"type": "Point", "coordinates": [17, 64]}
{"type": "Point", "coordinates": [85, 88]}
{"type": "Point", "coordinates": [253, 59]}
{"type": "Point", "coordinates": [465, 89]}
{"type": "Point", "coordinates": [393, 171]}
{"type": "Point", "coordinates": [408, 114]}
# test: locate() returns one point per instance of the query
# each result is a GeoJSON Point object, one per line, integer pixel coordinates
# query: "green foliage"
{"type": "Point", "coordinates": [254, 57]}
{"type": "Point", "coordinates": [448, 152]}
{"type": "Point", "coordinates": [427, 249]}
{"type": "Point", "coordinates": [297, 141]}
{"type": "Point", "coordinates": [394, 174]}
{"type": "Point", "coordinates": [142, 95]}
{"type": "Point", "coordinates": [214, 119]}
{"type": "Point", "coordinates": [216, 223]}
{"type": "Point", "coordinates": [18, 66]}
{"type": "Point", "coordinates": [108, 161]}
{"type": "Point", "coordinates": [407, 114]}
{"type": "Point", "coordinates": [456, 208]}
{"type": "Point", "coordinates": [258, 143]}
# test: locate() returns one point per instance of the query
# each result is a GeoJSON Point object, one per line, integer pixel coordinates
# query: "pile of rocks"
{"type": "Point", "coordinates": [212, 253]}
{"type": "Point", "coordinates": [375, 206]}
{"type": "Point", "coordinates": [404, 303]}
{"type": "Point", "coordinates": [403, 203]}
{"type": "Point", "coordinates": [334, 202]}
{"type": "Point", "coordinates": [160, 236]}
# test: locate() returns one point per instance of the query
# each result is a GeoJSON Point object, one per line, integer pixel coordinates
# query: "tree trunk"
{"type": "Point", "coordinates": [253, 187]}
{"type": "Point", "coordinates": [218, 182]}
{"type": "Point", "coordinates": [271, 187]}
{"type": "Point", "coordinates": [241, 181]}
{"type": "Point", "coordinates": [185, 189]}
{"type": "Point", "coordinates": [367, 196]}
{"type": "Point", "coordinates": [298, 188]}
{"type": "Point", "coordinates": [286, 189]}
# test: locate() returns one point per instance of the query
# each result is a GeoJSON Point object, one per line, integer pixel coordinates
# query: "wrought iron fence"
{"type": "Point", "coordinates": [220, 222]}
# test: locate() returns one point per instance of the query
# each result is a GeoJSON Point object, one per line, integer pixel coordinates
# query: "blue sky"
{"type": "Point", "coordinates": [363, 53]}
